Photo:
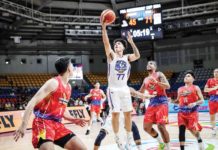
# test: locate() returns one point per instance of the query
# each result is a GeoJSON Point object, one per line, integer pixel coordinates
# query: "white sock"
{"type": "Point", "coordinates": [159, 139]}
{"type": "Point", "coordinates": [139, 147]}
{"type": "Point", "coordinates": [116, 135]}
{"type": "Point", "coordinates": [89, 127]}
{"type": "Point", "coordinates": [213, 125]}
{"type": "Point", "coordinates": [129, 135]}
{"type": "Point", "coordinates": [201, 146]}
{"type": "Point", "coordinates": [167, 146]}
{"type": "Point", "coordinates": [101, 120]}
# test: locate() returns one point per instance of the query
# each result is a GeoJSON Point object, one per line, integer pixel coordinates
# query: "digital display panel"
{"type": "Point", "coordinates": [144, 23]}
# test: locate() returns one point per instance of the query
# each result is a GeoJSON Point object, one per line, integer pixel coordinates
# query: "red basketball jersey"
{"type": "Point", "coordinates": [187, 95]}
{"type": "Point", "coordinates": [212, 82]}
{"type": "Point", "coordinates": [53, 106]}
{"type": "Point", "coordinates": [96, 94]}
{"type": "Point", "coordinates": [154, 88]}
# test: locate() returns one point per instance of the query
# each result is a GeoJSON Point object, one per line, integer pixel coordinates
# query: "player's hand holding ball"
{"type": "Point", "coordinates": [107, 17]}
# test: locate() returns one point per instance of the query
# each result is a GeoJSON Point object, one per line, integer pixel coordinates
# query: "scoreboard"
{"type": "Point", "coordinates": [144, 23]}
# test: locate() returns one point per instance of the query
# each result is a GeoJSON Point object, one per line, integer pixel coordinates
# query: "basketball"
{"type": "Point", "coordinates": [108, 16]}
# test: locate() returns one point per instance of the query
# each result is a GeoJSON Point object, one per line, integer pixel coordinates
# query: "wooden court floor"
{"type": "Point", "coordinates": [7, 142]}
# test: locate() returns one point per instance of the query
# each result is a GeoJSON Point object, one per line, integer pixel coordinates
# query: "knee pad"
{"type": "Point", "coordinates": [182, 133]}
{"type": "Point", "coordinates": [100, 137]}
{"type": "Point", "coordinates": [135, 132]}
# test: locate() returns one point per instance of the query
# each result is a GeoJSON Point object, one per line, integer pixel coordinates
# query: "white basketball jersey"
{"type": "Point", "coordinates": [118, 72]}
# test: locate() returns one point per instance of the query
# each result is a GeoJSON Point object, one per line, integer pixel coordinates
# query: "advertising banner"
{"type": "Point", "coordinates": [11, 120]}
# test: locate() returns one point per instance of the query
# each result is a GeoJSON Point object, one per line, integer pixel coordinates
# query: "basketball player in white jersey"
{"type": "Point", "coordinates": [118, 93]}
{"type": "Point", "coordinates": [107, 127]}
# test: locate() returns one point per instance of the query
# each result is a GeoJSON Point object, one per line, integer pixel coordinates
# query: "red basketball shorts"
{"type": "Point", "coordinates": [213, 107]}
{"type": "Point", "coordinates": [189, 120]}
{"type": "Point", "coordinates": [48, 130]}
{"type": "Point", "coordinates": [96, 109]}
{"type": "Point", "coordinates": [157, 114]}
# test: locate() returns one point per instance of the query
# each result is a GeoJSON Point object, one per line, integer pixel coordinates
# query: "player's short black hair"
{"type": "Point", "coordinates": [124, 42]}
{"type": "Point", "coordinates": [61, 64]}
{"type": "Point", "coordinates": [190, 72]}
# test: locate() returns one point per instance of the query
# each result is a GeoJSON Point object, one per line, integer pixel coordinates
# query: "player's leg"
{"type": "Point", "coordinates": [195, 128]}
{"type": "Point", "coordinates": [66, 139]}
{"type": "Point", "coordinates": [115, 125]}
{"type": "Point", "coordinates": [213, 124]}
{"type": "Point", "coordinates": [149, 119]}
{"type": "Point", "coordinates": [90, 122]}
{"type": "Point", "coordinates": [47, 145]}
{"type": "Point", "coordinates": [199, 139]}
{"type": "Point", "coordinates": [75, 144]}
{"type": "Point", "coordinates": [165, 135]}
{"type": "Point", "coordinates": [98, 112]}
{"type": "Point", "coordinates": [182, 130]}
{"type": "Point", "coordinates": [101, 135]}
{"type": "Point", "coordinates": [126, 107]}
{"type": "Point", "coordinates": [128, 121]}
{"type": "Point", "coordinates": [43, 134]}
{"type": "Point", "coordinates": [212, 111]}
{"type": "Point", "coordinates": [136, 136]}
{"type": "Point", "coordinates": [152, 132]}
{"type": "Point", "coordinates": [162, 120]}
{"type": "Point", "coordinates": [115, 122]}
{"type": "Point", "coordinates": [128, 127]}
{"type": "Point", "coordinates": [114, 103]}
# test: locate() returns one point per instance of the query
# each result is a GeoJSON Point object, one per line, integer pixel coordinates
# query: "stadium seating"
{"type": "Point", "coordinates": [135, 77]}
{"type": "Point", "coordinates": [23, 80]}
{"type": "Point", "coordinates": [12, 84]}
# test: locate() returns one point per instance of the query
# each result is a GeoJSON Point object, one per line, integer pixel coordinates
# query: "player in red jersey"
{"type": "Point", "coordinates": [212, 88]}
{"type": "Point", "coordinates": [97, 96]}
{"type": "Point", "coordinates": [189, 98]}
{"type": "Point", "coordinates": [157, 111]}
{"type": "Point", "coordinates": [49, 106]}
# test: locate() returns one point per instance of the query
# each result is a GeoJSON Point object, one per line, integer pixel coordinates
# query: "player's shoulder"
{"type": "Point", "coordinates": [159, 73]}
{"type": "Point", "coordinates": [180, 88]}
{"type": "Point", "coordinates": [196, 87]}
{"type": "Point", "coordinates": [126, 56]}
{"type": "Point", "coordinates": [211, 79]}
{"type": "Point", "coordinates": [52, 81]}
{"type": "Point", "coordinates": [51, 84]}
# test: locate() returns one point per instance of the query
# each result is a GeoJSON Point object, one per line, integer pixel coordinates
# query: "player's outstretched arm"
{"type": "Point", "coordinates": [108, 51]}
{"type": "Point", "coordinates": [136, 54]}
{"type": "Point", "coordinates": [79, 122]}
{"type": "Point", "coordinates": [50, 86]}
{"type": "Point", "coordinates": [138, 94]}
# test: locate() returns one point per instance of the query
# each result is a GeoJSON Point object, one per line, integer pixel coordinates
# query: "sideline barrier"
{"type": "Point", "coordinates": [11, 120]}
{"type": "Point", "coordinates": [202, 108]}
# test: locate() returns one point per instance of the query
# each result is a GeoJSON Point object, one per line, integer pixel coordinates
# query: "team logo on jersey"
{"type": "Point", "coordinates": [121, 66]}
{"type": "Point", "coordinates": [63, 99]}
{"type": "Point", "coordinates": [186, 93]}
{"type": "Point", "coordinates": [151, 86]}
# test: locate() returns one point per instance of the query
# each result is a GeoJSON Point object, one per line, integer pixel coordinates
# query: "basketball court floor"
{"type": "Point", "coordinates": [211, 143]}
